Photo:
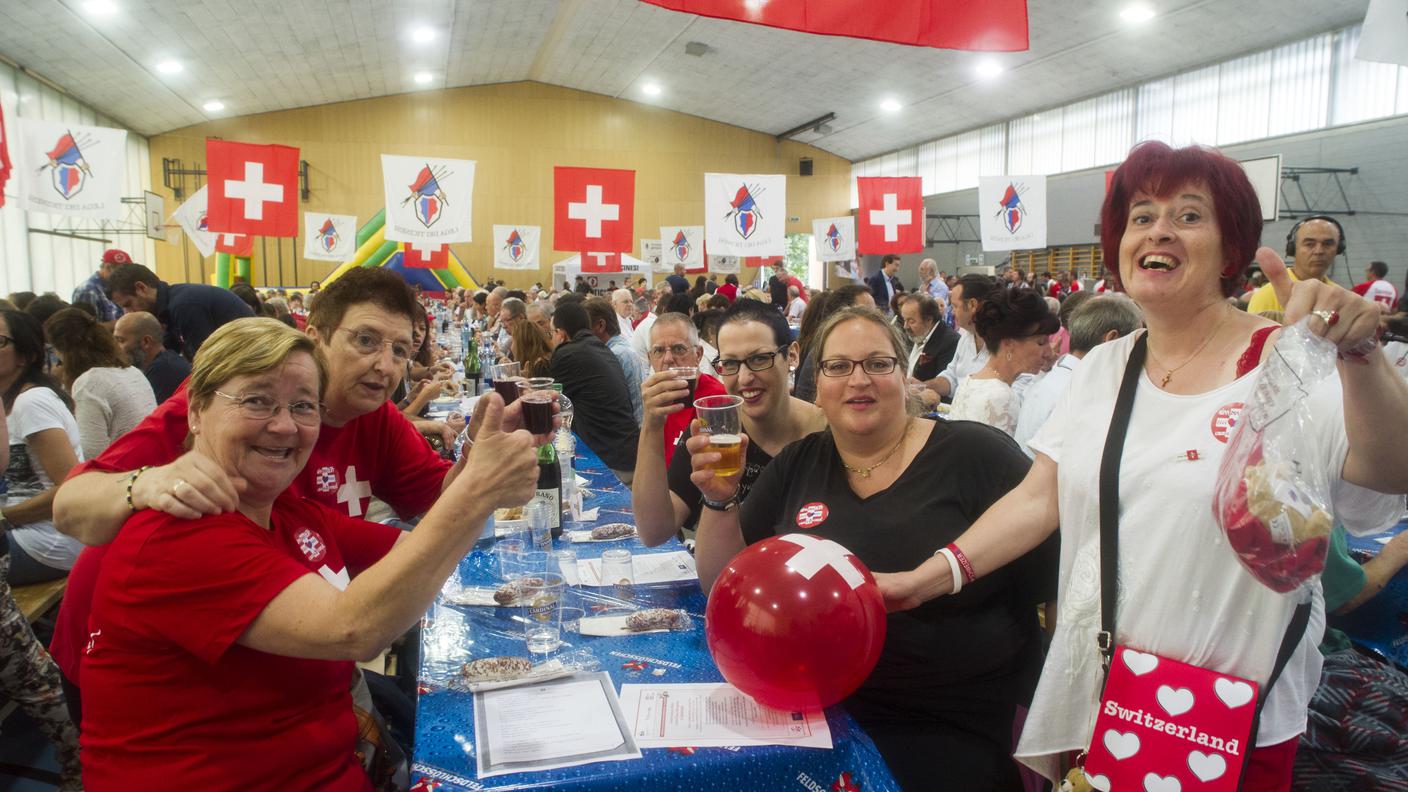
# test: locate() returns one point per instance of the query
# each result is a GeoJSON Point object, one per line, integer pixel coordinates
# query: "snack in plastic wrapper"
{"type": "Point", "coordinates": [1272, 498]}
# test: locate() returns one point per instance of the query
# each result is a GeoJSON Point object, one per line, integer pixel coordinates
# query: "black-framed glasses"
{"type": "Point", "coordinates": [759, 362]}
{"type": "Point", "coordinates": [261, 407]}
{"type": "Point", "coordinates": [875, 366]}
{"type": "Point", "coordinates": [368, 343]}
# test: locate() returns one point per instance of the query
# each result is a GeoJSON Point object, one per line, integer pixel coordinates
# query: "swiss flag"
{"type": "Point", "coordinates": [593, 209]}
{"type": "Point", "coordinates": [4, 158]}
{"type": "Point", "coordinates": [601, 262]}
{"type": "Point", "coordinates": [253, 188]}
{"type": "Point", "coordinates": [238, 245]}
{"type": "Point", "coordinates": [428, 257]}
{"type": "Point", "coordinates": [891, 216]}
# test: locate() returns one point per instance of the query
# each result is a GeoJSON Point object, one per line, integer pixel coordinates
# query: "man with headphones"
{"type": "Point", "coordinates": [1313, 243]}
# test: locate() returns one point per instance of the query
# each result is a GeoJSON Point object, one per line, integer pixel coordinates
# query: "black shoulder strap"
{"type": "Point", "coordinates": [1110, 496]}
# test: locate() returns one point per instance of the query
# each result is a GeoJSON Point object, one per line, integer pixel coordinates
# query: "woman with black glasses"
{"type": "Point", "coordinates": [756, 354]}
{"type": "Point", "coordinates": [895, 489]}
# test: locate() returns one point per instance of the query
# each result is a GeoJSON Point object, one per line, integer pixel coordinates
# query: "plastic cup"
{"type": "Point", "coordinates": [538, 517]}
{"type": "Point", "coordinates": [720, 419]}
{"type": "Point", "coordinates": [618, 574]}
{"type": "Point", "coordinates": [690, 374]}
{"type": "Point", "coordinates": [564, 562]}
{"type": "Point", "coordinates": [510, 552]}
{"type": "Point", "coordinates": [542, 611]}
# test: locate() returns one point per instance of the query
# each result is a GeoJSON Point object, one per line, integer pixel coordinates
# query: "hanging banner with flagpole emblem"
{"type": "Point", "coordinates": [745, 214]}
{"type": "Point", "coordinates": [428, 199]}
{"type": "Point", "coordinates": [835, 238]}
{"type": "Point", "coordinates": [681, 245]}
{"type": "Point", "coordinates": [1012, 212]}
{"type": "Point", "coordinates": [73, 170]}
{"type": "Point", "coordinates": [516, 247]}
{"type": "Point", "coordinates": [191, 216]}
{"type": "Point", "coordinates": [329, 237]}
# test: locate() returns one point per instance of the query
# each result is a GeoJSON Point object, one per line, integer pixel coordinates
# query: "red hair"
{"type": "Point", "coordinates": [1156, 169]}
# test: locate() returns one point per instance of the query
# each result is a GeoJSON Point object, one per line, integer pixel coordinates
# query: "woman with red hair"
{"type": "Point", "coordinates": [1179, 228]}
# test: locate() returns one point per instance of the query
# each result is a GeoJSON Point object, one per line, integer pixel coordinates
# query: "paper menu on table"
{"type": "Point", "coordinates": [562, 723]}
{"type": "Point", "coordinates": [647, 568]}
{"type": "Point", "coordinates": [705, 715]}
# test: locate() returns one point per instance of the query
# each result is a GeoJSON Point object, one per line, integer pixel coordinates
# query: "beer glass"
{"type": "Point", "coordinates": [720, 419]}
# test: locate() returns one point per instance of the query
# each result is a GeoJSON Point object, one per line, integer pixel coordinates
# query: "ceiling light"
{"type": "Point", "coordinates": [651, 89]}
{"type": "Point", "coordinates": [1137, 14]}
{"type": "Point", "coordinates": [214, 106]}
{"type": "Point", "coordinates": [100, 8]}
{"type": "Point", "coordinates": [169, 67]}
{"type": "Point", "coordinates": [989, 68]}
{"type": "Point", "coordinates": [423, 35]}
{"type": "Point", "coordinates": [891, 105]}
{"type": "Point", "coordinates": [423, 78]}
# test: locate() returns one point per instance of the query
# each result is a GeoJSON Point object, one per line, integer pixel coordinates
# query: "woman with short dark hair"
{"type": "Point", "coordinates": [1016, 328]}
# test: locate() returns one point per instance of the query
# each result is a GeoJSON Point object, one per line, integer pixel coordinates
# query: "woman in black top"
{"type": "Point", "coordinates": [893, 489]}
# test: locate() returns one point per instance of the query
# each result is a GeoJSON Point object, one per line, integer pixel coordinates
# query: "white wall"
{"type": "Point", "coordinates": [40, 262]}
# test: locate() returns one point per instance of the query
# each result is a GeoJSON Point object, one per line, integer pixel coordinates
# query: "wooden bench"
{"type": "Point", "coordinates": [37, 599]}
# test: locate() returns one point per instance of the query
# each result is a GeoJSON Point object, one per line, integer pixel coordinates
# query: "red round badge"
{"type": "Point", "coordinates": [812, 515]}
{"type": "Point", "coordinates": [1225, 419]}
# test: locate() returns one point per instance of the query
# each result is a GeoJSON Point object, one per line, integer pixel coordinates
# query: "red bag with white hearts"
{"type": "Point", "coordinates": [1272, 497]}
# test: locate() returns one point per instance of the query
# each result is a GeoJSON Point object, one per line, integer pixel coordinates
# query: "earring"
{"type": "Point", "coordinates": [1009, 356]}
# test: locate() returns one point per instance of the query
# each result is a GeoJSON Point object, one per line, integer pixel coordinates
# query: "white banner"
{"type": "Point", "coordinates": [681, 245]}
{"type": "Point", "coordinates": [835, 238]}
{"type": "Point", "coordinates": [516, 247]}
{"type": "Point", "coordinates": [1012, 212]}
{"type": "Point", "coordinates": [1385, 33]}
{"type": "Point", "coordinates": [745, 215]}
{"type": "Point", "coordinates": [329, 237]}
{"type": "Point", "coordinates": [632, 270]}
{"type": "Point", "coordinates": [71, 170]}
{"type": "Point", "coordinates": [191, 216]}
{"type": "Point", "coordinates": [651, 254]}
{"type": "Point", "coordinates": [427, 199]}
{"type": "Point", "coordinates": [725, 264]}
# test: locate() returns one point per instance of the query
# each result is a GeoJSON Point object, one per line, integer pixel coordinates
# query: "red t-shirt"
{"type": "Point", "coordinates": [678, 423]}
{"type": "Point", "coordinates": [380, 452]}
{"type": "Point", "coordinates": [171, 701]}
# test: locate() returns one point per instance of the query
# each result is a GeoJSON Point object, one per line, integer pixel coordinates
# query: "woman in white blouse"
{"type": "Point", "coordinates": [1016, 327]}
{"type": "Point", "coordinates": [110, 395]}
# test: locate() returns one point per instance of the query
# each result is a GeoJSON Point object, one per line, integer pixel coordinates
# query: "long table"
{"type": "Point", "coordinates": [1381, 624]}
{"type": "Point", "coordinates": [453, 635]}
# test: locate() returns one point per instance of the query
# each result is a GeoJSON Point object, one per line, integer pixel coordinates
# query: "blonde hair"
{"type": "Point", "coordinates": [247, 347]}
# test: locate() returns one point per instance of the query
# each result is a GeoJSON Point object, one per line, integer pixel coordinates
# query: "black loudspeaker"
{"type": "Point", "coordinates": [804, 167]}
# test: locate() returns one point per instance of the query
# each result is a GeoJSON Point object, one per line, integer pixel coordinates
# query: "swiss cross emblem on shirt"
{"type": "Point", "coordinates": [326, 479]}
{"type": "Point", "coordinates": [312, 545]}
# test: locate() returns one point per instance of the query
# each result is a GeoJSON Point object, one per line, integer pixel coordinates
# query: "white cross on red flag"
{"type": "Point", "coordinates": [601, 262]}
{"type": "Point", "coordinates": [429, 256]}
{"type": "Point", "coordinates": [593, 209]}
{"type": "Point", "coordinates": [891, 217]}
{"type": "Point", "coordinates": [253, 188]}
{"type": "Point", "coordinates": [238, 245]}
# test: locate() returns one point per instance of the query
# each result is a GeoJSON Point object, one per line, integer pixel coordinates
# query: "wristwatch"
{"type": "Point", "coordinates": [724, 505]}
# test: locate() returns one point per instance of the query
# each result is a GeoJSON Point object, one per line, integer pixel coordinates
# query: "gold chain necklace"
{"type": "Point", "coordinates": [1169, 372]}
{"type": "Point", "coordinates": [865, 472]}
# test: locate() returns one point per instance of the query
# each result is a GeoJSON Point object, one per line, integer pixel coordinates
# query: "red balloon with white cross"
{"type": "Point", "coordinates": [796, 622]}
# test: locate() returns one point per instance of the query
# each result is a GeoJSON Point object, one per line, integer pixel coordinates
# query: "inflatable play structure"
{"type": "Point", "coordinates": [375, 250]}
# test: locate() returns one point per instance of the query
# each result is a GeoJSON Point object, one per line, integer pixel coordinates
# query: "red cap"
{"type": "Point", "coordinates": [115, 256]}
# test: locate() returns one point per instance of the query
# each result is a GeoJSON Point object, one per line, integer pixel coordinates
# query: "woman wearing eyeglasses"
{"type": "Point", "coordinates": [756, 354]}
{"type": "Point", "coordinates": [221, 649]}
{"type": "Point", "coordinates": [894, 489]}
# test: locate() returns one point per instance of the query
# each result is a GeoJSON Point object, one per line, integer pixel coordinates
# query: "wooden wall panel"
{"type": "Point", "coordinates": [516, 133]}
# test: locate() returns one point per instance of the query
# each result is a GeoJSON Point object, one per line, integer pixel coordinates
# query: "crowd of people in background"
{"type": "Point", "coordinates": [835, 385]}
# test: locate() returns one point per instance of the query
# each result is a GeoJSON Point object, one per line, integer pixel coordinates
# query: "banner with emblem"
{"type": "Point", "coordinates": [835, 238]}
{"type": "Point", "coordinates": [428, 199]}
{"type": "Point", "coordinates": [745, 214]}
{"type": "Point", "coordinates": [1012, 212]}
{"type": "Point", "coordinates": [681, 245]}
{"type": "Point", "coordinates": [329, 237]}
{"type": "Point", "coordinates": [69, 169]}
{"type": "Point", "coordinates": [725, 264]}
{"type": "Point", "coordinates": [516, 246]}
{"type": "Point", "coordinates": [652, 253]}
{"type": "Point", "coordinates": [191, 216]}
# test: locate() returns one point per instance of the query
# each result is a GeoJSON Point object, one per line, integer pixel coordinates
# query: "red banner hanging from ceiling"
{"type": "Point", "coordinates": [988, 26]}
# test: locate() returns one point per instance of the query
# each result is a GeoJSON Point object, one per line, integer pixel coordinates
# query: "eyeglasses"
{"type": "Point", "coordinates": [5, 341]}
{"type": "Point", "coordinates": [874, 366]}
{"type": "Point", "coordinates": [678, 350]}
{"type": "Point", "coordinates": [368, 343]}
{"type": "Point", "coordinates": [261, 408]}
{"type": "Point", "coordinates": [759, 362]}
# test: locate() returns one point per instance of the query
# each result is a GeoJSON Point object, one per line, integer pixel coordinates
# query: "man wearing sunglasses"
{"type": "Point", "coordinates": [365, 447]}
{"type": "Point", "coordinates": [756, 354]}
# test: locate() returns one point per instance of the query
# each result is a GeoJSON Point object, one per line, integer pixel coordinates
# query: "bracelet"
{"type": "Point", "coordinates": [952, 568]}
{"type": "Point", "coordinates": [723, 505]}
{"type": "Point", "coordinates": [968, 574]}
{"type": "Point", "coordinates": [132, 480]}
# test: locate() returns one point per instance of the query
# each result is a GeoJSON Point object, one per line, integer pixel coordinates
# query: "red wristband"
{"type": "Point", "coordinates": [967, 566]}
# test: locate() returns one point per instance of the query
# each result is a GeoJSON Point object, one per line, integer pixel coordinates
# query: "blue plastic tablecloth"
{"type": "Point", "coordinates": [445, 748]}
{"type": "Point", "coordinates": [1381, 624]}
